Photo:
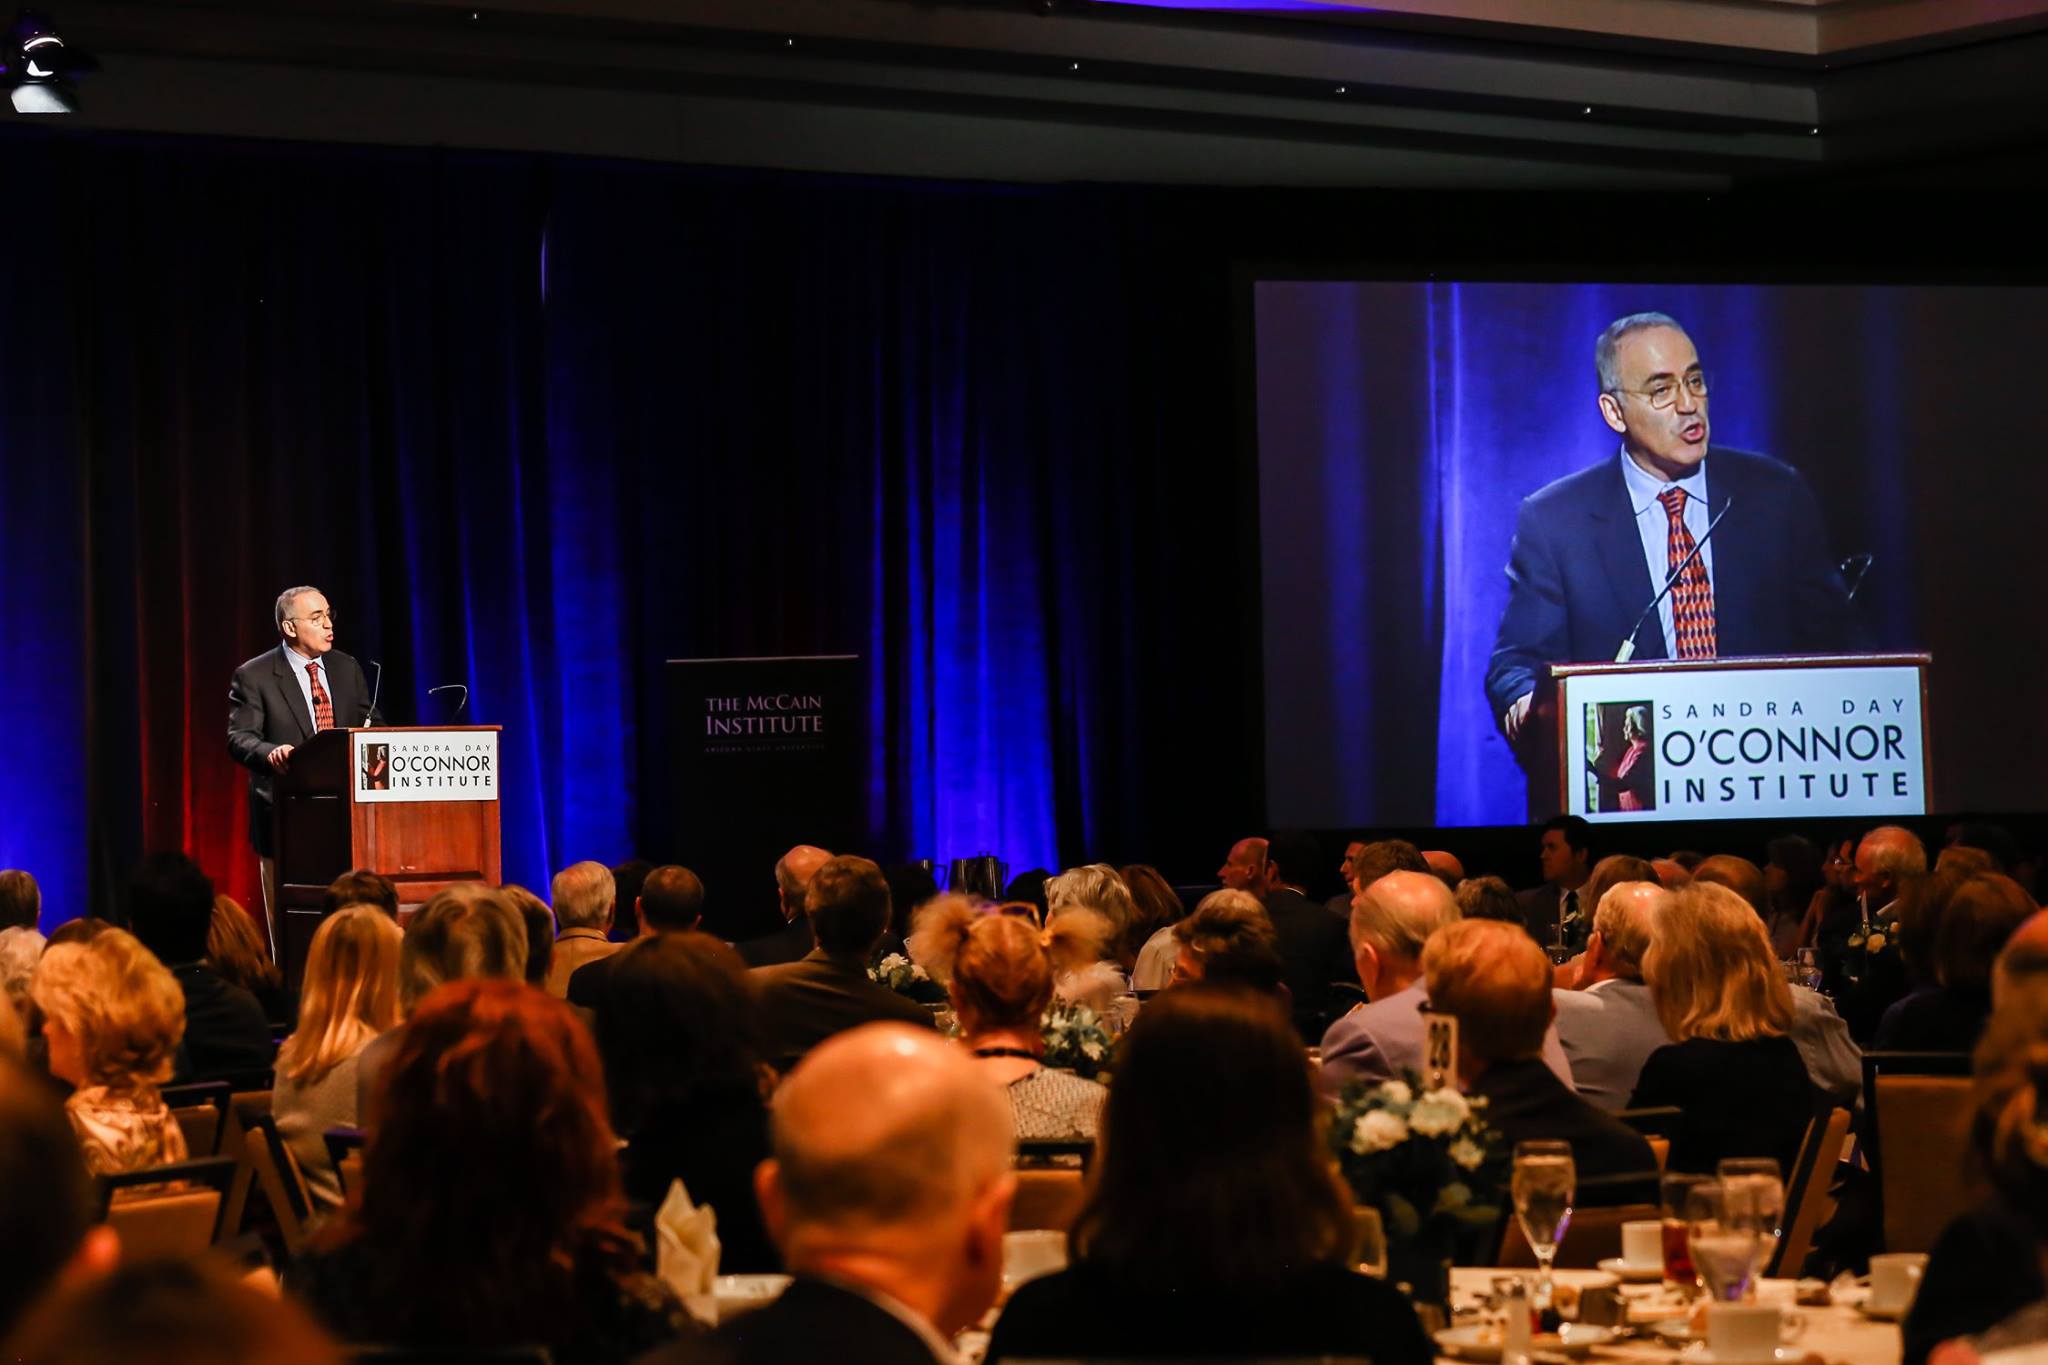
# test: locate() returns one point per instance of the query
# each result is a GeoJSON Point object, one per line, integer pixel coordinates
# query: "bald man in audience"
{"type": "Point", "coordinates": [1446, 865]}
{"type": "Point", "coordinates": [1609, 1024]}
{"type": "Point", "coordinates": [1833, 1061]}
{"type": "Point", "coordinates": [1495, 980]}
{"type": "Point", "coordinates": [1391, 920]}
{"type": "Point", "coordinates": [583, 896]}
{"type": "Point", "coordinates": [888, 1193]}
{"type": "Point", "coordinates": [793, 873]}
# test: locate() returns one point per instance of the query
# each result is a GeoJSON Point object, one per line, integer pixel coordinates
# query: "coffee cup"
{"type": "Point", "coordinates": [1642, 1244]}
{"type": "Point", "coordinates": [1743, 1331]}
{"type": "Point", "coordinates": [1894, 1279]}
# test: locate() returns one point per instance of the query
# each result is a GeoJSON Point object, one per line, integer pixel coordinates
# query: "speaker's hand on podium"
{"type": "Point", "coordinates": [280, 757]}
{"type": "Point", "coordinates": [1517, 716]}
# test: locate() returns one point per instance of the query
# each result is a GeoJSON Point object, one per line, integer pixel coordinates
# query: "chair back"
{"type": "Point", "coordinates": [1918, 1142]}
{"type": "Point", "coordinates": [1809, 1193]}
{"type": "Point", "coordinates": [277, 1174]}
{"type": "Point", "coordinates": [177, 1212]}
{"type": "Point", "coordinates": [1046, 1199]}
{"type": "Point", "coordinates": [201, 1110]}
{"type": "Point", "coordinates": [1593, 1236]}
{"type": "Point", "coordinates": [1055, 1151]}
{"type": "Point", "coordinates": [1661, 1120]}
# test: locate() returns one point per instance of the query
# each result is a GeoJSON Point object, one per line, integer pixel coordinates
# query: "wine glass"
{"type": "Point", "coordinates": [1755, 1192]}
{"type": "Point", "coordinates": [1543, 1184]}
{"type": "Point", "coordinates": [1723, 1250]}
{"type": "Point", "coordinates": [1678, 1267]}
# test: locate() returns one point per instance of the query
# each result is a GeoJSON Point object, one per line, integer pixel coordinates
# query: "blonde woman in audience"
{"type": "Point", "coordinates": [1158, 908]}
{"type": "Point", "coordinates": [1728, 1011]}
{"type": "Point", "coordinates": [1096, 887]}
{"type": "Point", "coordinates": [348, 997]}
{"type": "Point", "coordinates": [235, 949]}
{"type": "Point", "coordinates": [112, 1017]}
{"type": "Point", "coordinates": [999, 972]}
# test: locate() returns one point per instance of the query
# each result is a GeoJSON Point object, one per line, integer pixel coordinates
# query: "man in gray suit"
{"type": "Point", "coordinates": [1391, 920]}
{"type": "Point", "coordinates": [1609, 1025]}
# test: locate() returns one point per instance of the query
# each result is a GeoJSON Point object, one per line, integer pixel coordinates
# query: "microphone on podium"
{"type": "Point", "coordinates": [1628, 646]}
{"type": "Point", "coordinates": [452, 687]}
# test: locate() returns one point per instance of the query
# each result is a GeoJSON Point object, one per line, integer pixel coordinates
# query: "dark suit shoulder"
{"type": "Point", "coordinates": [809, 1315]}
{"type": "Point", "coordinates": [262, 663]}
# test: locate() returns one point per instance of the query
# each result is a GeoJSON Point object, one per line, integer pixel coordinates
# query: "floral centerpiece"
{"type": "Point", "coordinates": [1431, 1166]}
{"type": "Point", "coordinates": [906, 978]}
{"type": "Point", "coordinates": [1076, 1040]}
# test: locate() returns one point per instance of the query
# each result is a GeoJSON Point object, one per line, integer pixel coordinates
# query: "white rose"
{"type": "Point", "coordinates": [1467, 1153]}
{"type": "Point", "coordinates": [1396, 1092]}
{"type": "Point", "coordinates": [1092, 1050]}
{"type": "Point", "coordinates": [1439, 1112]}
{"type": "Point", "coordinates": [1378, 1131]}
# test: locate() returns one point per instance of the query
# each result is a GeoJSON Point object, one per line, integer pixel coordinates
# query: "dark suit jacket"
{"type": "Point", "coordinates": [1705, 1077]}
{"type": "Point", "coordinates": [1577, 580]}
{"type": "Point", "coordinates": [1528, 1103]}
{"type": "Point", "coordinates": [226, 1035]}
{"type": "Point", "coordinates": [805, 1002]}
{"type": "Point", "coordinates": [1316, 948]}
{"type": "Point", "coordinates": [266, 709]}
{"type": "Point", "coordinates": [812, 1320]}
{"type": "Point", "coordinates": [787, 944]}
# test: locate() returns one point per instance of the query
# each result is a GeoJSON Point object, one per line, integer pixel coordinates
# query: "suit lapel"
{"type": "Point", "coordinates": [1734, 598]}
{"type": "Point", "coordinates": [288, 683]}
{"type": "Point", "coordinates": [1628, 575]}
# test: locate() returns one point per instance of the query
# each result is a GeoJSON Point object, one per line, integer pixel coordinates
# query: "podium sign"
{"type": "Point", "coordinates": [425, 765]}
{"type": "Point", "coordinates": [1740, 739]}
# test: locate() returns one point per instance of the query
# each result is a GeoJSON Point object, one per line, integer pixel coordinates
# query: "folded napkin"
{"type": "Point", "coordinates": [686, 1252]}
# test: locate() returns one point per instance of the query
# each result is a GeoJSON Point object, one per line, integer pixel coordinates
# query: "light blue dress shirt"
{"type": "Point", "coordinates": [1654, 525]}
{"type": "Point", "coordinates": [298, 662]}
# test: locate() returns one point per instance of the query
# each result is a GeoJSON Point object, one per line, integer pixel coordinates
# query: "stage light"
{"type": "Point", "coordinates": [40, 68]}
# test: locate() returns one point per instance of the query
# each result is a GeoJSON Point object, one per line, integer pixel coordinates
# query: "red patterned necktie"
{"type": "Point", "coordinates": [323, 705]}
{"type": "Point", "coordinates": [1692, 597]}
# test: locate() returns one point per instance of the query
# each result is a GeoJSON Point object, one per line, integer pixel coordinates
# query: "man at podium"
{"type": "Point", "coordinates": [282, 698]}
{"type": "Point", "coordinates": [1739, 538]}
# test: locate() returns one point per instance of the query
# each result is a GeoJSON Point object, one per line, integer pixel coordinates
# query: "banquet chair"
{"type": "Point", "coordinates": [182, 1219]}
{"type": "Point", "coordinates": [277, 1174]}
{"type": "Point", "coordinates": [1809, 1190]}
{"type": "Point", "coordinates": [1593, 1236]}
{"type": "Point", "coordinates": [243, 1106]}
{"type": "Point", "coordinates": [201, 1110]}
{"type": "Point", "coordinates": [1917, 1142]}
{"type": "Point", "coordinates": [345, 1151]}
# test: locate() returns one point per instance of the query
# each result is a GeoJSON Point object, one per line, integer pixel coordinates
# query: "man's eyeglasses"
{"type": "Point", "coordinates": [1664, 392]}
{"type": "Point", "coordinates": [318, 618]}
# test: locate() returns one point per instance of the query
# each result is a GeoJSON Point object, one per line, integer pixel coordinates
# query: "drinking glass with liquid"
{"type": "Point", "coordinates": [1543, 1184]}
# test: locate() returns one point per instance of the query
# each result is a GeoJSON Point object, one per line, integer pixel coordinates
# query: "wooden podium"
{"type": "Point", "coordinates": [1774, 737]}
{"type": "Point", "coordinates": [326, 826]}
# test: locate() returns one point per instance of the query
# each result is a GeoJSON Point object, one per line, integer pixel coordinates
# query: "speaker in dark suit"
{"type": "Point", "coordinates": [1593, 548]}
{"type": "Point", "coordinates": [275, 701]}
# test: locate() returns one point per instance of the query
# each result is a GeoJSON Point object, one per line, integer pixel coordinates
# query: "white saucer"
{"type": "Point", "coordinates": [1484, 1343]}
{"type": "Point", "coordinates": [1631, 1274]}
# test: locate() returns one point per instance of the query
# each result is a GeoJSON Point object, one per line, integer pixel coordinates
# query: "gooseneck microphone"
{"type": "Point", "coordinates": [1855, 569]}
{"type": "Point", "coordinates": [452, 687]}
{"type": "Point", "coordinates": [1628, 646]}
{"type": "Point", "coordinates": [375, 687]}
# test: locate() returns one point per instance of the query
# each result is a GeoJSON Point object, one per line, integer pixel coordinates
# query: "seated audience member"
{"type": "Point", "coordinates": [793, 873]}
{"type": "Point", "coordinates": [1671, 874]}
{"type": "Point", "coordinates": [1974, 916]}
{"type": "Point", "coordinates": [1723, 1000]}
{"type": "Point", "coordinates": [1792, 874]}
{"type": "Point", "coordinates": [539, 918]}
{"type": "Point", "coordinates": [1833, 907]}
{"type": "Point", "coordinates": [13, 1031]}
{"type": "Point", "coordinates": [1495, 980]}
{"type": "Point", "coordinates": [468, 930]}
{"type": "Point", "coordinates": [670, 901]}
{"type": "Point", "coordinates": [1556, 911]}
{"type": "Point", "coordinates": [360, 886]}
{"type": "Point", "coordinates": [1228, 938]}
{"type": "Point", "coordinates": [1211, 1230]}
{"type": "Point", "coordinates": [1379, 1040]}
{"type": "Point", "coordinates": [48, 1219]}
{"type": "Point", "coordinates": [999, 971]}
{"type": "Point", "coordinates": [1446, 865]}
{"type": "Point", "coordinates": [1488, 898]}
{"type": "Point", "coordinates": [1609, 1025]}
{"type": "Point", "coordinates": [1890, 868]}
{"type": "Point", "coordinates": [1095, 887]}
{"type": "Point", "coordinates": [490, 1216]}
{"type": "Point", "coordinates": [1314, 950]}
{"type": "Point", "coordinates": [170, 1311]}
{"type": "Point", "coordinates": [1158, 908]}
{"type": "Point", "coordinates": [170, 909]}
{"type": "Point", "coordinates": [1833, 1061]}
{"type": "Point", "coordinates": [583, 897]}
{"type": "Point", "coordinates": [888, 1194]}
{"type": "Point", "coordinates": [235, 948]}
{"type": "Point", "coordinates": [21, 943]}
{"type": "Point", "coordinates": [348, 997]}
{"type": "Point", "coordinates": [911, 888]}
{"type": "Point", "coordinates": [677, 1027]}
{"type": "Point", "coordinates": [1610, 871]}
{"type": "Point", "coordinates": [1987, 1264]}
{"type": "Point", "coordinates": [112, 1017]}
{"type": "Point", "coordinates": [1688, 858]}
{"type": "Point", "coordinates": [1368, 863]}
{"type": "Point", "coordinates": [1028, 888]}
{"type": "Point", "coordinates": [627, 879]}
{"type": "Point", "coordinates": [828, 991]}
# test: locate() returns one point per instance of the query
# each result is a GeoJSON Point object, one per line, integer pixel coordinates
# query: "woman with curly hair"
{"type": "Point", "coordinates": [491, 1215]}
{"type": "Point", "coordinates": [112, 1018]}
{"type": "Point", "coordinates": [999, 972]}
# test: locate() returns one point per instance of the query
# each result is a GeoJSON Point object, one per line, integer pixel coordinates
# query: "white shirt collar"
{"type": "Point", "coordinates": [1643, 490]}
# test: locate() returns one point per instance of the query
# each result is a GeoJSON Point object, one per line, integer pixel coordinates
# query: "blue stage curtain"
{"type": "Point", "coordinates": [536, 425]}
